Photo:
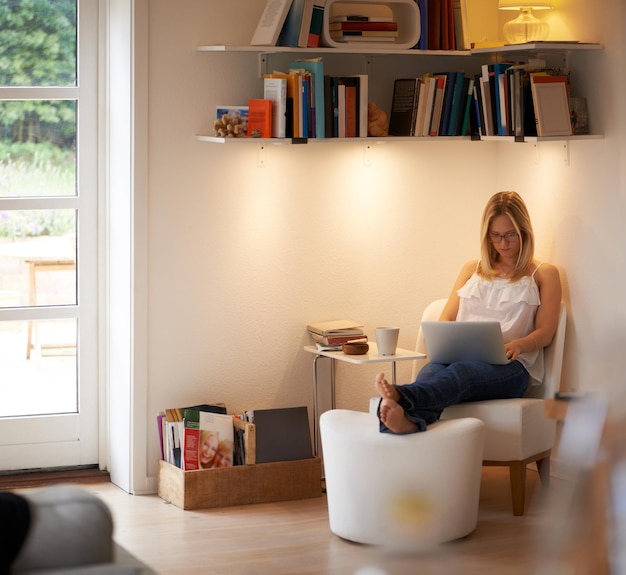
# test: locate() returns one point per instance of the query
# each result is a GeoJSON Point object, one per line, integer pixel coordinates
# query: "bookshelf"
{"type": "Point", "coordinates": [395, 61]}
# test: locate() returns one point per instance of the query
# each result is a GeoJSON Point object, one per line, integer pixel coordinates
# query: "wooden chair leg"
{"type": "Point", "coordinates": [543, 467]}
{"type": "Point", "coordinates": [517, 472]}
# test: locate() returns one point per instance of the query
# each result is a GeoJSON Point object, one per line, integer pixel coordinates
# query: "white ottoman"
{"type": "Point", "coordinates": [404, 491]}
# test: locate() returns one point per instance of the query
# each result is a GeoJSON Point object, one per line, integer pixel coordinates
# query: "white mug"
{"type": "Point", "coordinates": [387, 340]}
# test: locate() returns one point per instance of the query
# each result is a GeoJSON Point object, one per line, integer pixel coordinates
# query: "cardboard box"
{"type": "Point", "coordinates": [240, 485]}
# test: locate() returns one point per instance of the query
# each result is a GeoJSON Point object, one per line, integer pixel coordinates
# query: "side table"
{"type": "Point", "coordinates": [371, 357]}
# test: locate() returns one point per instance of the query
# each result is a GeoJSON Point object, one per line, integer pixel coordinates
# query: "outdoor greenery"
{"type": "Point", "coordinates": [37, 137]}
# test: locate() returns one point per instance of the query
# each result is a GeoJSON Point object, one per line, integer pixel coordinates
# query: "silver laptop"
{"type": "Point", "coordinates": [450, 341]}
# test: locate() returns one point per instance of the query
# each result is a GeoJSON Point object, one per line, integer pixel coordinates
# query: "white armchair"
{"type": "Point", "coordinates": [516, 430]}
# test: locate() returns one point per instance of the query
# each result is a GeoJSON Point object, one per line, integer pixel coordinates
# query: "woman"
{"type": "Point", "coordinates": [507, 285]}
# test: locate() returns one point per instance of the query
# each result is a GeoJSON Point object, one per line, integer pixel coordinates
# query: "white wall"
{"type": "Point", "coordinates": [242, 257]}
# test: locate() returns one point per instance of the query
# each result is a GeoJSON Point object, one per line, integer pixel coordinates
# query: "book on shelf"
{"type": "Point", "coordinates": [275, 89]}
{"type": "Point", "coordinates": [351, 111]}
{"type": "Point", "coordinates": [282, 434]}
{"type": "Point", "coordinates": [485, 97]}
{"type": "Point", "coordinates": [550, 98]}
{"type": "Point", "coordinates": [469, 103]}
{"type": "Point", "coordinates": [317, 23]}
{"type": "Point", "coordinates": [341, 110]}
{"type": "Point", "coordinates": [295, 30]}
{"type": "Point", "coordinates": [447, 101]}
{"type": "Point", "coordinates": [345, 106]}
{"type": "Point", "coordinates": [347, 39]}
{"type": "Point", "coordinates": [422, 43]}
{"type": "Point", "coordinates": [404, 106]}
{"type": "Point", "coordinates": [477, 127]}
{"type": "Point", "coordinates": [358, 18]}
{"type": "Point", "coordinates": [315, 67]}
{"type": "Point", "coordinates": [501, 97]}
{"type": "Point", "coordinates": [293, 99]}
{"type": "Point", "coordinates": [458, 100]}
{"type": "Point", "coordinates": [271, 23]}
{"type": "Point", "coordinates": [259, 118]}
{"type": "Point", "coordinates": [335, 327]}
{"type": "Point", "coordinates": [440, 89]}
{"type": "Point", "coordinates": [434, 24]}
{"type": "Point", "coordinates": [368, 26]}
{"type": "Point", "coordinates": [444, 23]}
{"type": "Point", "coordinates": [349, 35]}
{"type": "Point", "coordinates": [362, 83]}
{"type": "Point", "coordinates": [426, 100]}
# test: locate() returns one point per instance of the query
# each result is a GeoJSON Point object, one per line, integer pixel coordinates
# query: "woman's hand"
{"type": "Point", "coordinates": [516, 347]}
{"type": "Point", "coordinates": [513, 349]}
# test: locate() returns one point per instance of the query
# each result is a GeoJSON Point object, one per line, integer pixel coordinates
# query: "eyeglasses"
{"type": "Point", "coordinates": [496, 238]}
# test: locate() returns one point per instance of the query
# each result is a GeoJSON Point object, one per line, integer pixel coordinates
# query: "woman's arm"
{"type": "Point", "coordinates": [547, 318]}
{"type": "Point", "coordinates": [451, 308]}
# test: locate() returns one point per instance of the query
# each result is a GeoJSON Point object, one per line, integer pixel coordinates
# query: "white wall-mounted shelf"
{"type": "Point", "coordinates": [557, 47]}
{"type": "Point", "coordinates": [538, 48]}
{"type": "Point", "coordinates": [336, 51]}
{"type": "Point", "coordinates": [390, 139]}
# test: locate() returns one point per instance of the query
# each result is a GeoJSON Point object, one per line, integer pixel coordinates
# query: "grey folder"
{"type": "Point", "coordinates": [282, 434]}
{"type": "Point", "coordinates": [450, 341]}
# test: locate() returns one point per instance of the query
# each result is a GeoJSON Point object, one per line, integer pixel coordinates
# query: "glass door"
{"type": "Point", "coordinates": [48, 233]}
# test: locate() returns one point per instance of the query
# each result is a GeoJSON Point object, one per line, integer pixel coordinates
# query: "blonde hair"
{"type": "Point", "coordinates": [510, 204]}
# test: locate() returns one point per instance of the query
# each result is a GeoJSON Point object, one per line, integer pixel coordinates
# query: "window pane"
{"type": "Point", "coordinates": [37, 148]}
{"type": "Point", "coordinates": [46, 382]}
{"type": "Point", "coordinates": [38, 43]}
{"type": "Point", "coordinates": [37, 258]}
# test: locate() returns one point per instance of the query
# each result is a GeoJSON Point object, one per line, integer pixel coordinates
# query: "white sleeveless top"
{"type": "Point", "coordinates": [512, 303]}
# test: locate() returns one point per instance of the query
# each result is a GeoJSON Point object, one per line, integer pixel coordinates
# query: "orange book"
{"type": "Point", "coordinates": [260, 119]}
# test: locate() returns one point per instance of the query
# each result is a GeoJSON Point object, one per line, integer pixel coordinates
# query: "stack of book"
{"type": "Point", "coordinates": [356, 28]}
{"type": "Point", "coordinates": [306, 103]}
{"type": "Point", "coordinates": [524, 99]}
{"type": "Point", "coordinates": [432, 105]}
{"type": "Point", "coordinates": [331, 335]}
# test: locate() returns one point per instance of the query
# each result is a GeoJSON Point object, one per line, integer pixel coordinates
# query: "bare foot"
{"type": "Point", "coordinates": [393, 416]}
{"type": "Point", "coordinates": [385, 390]}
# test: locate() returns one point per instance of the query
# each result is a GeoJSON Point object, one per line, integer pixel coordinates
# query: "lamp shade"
{"type": "Point", "coordinates": [517, 4]}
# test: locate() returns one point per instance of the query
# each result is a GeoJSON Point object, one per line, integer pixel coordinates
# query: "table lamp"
{"type": "Point", "coordinates": [525, 28]}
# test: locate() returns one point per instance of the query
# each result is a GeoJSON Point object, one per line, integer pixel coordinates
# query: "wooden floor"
{"type": "Point", "coordinates": [294, 537]}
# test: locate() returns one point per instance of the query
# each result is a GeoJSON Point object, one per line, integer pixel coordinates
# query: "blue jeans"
{"type": "Point", "coordinates": [438, 386]}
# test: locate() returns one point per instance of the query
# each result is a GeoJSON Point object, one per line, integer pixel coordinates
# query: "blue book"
{"type": "Point", "coordinates": [500, 96]}
{"type": "Point", "coordinates": [458, 100]}
{"type": "Point", "coordinates": [290, 33]}
{"type": "Point", "coordinates": [447, 102]}
{"type": "Point", "coordinates": [422, 43]}
{"type": "Point", "coordinates": [316, 68]}
{"type": "Point", "coordinates": [469, 82]}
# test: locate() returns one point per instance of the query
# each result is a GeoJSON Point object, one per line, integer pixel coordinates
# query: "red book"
{"type": "Point", "coordinates": [260, 119]}
{"type": "Point", "coordinates": [361, 26]}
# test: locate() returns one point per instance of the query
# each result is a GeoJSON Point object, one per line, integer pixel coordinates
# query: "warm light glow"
{"type": "Point", "coordinates": [517, 4]}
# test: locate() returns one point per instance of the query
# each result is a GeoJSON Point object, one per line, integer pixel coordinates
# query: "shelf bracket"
{"type": "Point", "coordinates": [262, 62]}
{"type": "Point", "coordinates": [367, 155]}
{"type": "Point", "coordinates": [261, 158]}
{"type": "Point", "coordinates": [566, 152]}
